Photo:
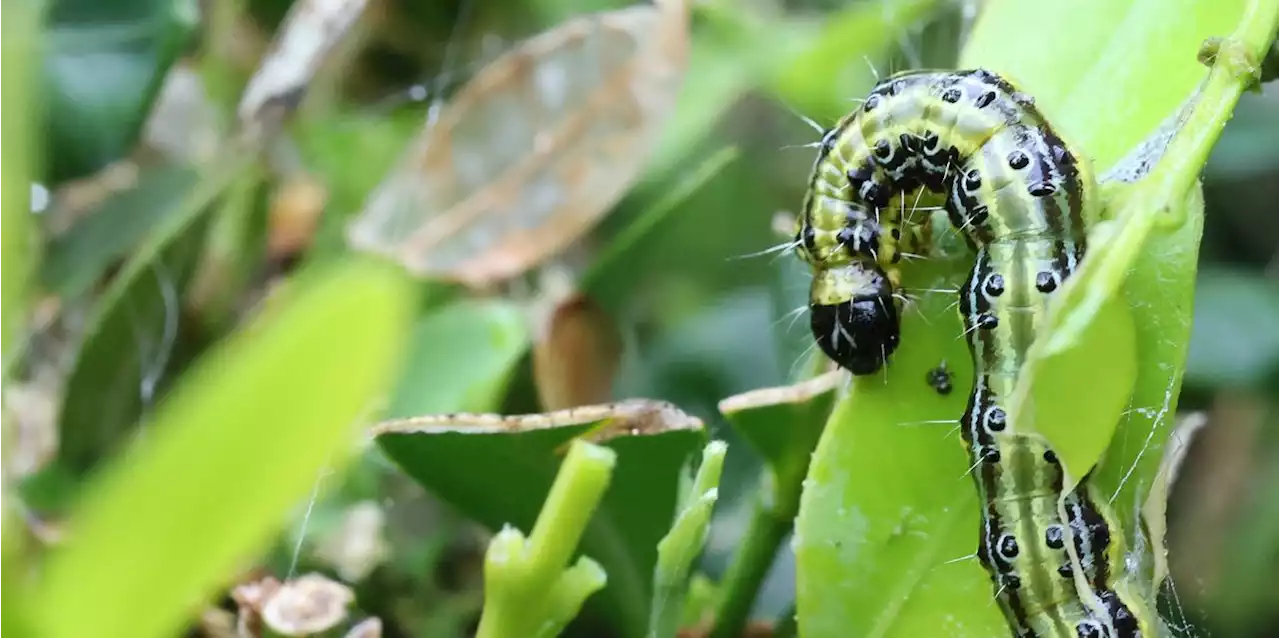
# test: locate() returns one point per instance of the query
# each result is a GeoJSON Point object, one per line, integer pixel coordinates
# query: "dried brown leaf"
{"type": "Point", "coordinates": [576, 355]}
{"type": "Point", "coordinates": [294, 215]}
{"type": "Point", "coordinates": [310, 33]}
{"type": "Point", "coordinates": [31, 410]}
{"type": "Point", "coordinates": [307, 605]}
{"type": "Point", "coordinates": [533, 151]}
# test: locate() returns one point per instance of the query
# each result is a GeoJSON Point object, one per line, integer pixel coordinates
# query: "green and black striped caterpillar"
{"type": "Point", "coordinates": [1024, 201]}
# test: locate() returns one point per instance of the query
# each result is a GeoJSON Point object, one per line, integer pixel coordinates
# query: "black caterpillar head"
{"type": "Point", "coordinates": [853, 316]}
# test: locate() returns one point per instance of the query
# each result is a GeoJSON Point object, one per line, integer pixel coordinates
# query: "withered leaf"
{"type": "Point", "coordinates": [534, 150]}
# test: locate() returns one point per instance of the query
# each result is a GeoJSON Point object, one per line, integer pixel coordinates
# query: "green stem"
{"type": "Point", "coordinates": [573, 499]}
{"type": "Point", "coordinates": [749, 567]}
{"type": "Point", "coordinates": [19, 117]}
{"type": "Point", "coordinates": [528, 591]}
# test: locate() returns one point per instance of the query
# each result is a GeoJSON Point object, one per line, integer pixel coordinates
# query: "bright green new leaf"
{"type": "Point", "coordinates": [229, 452]}
{"type": "Point", "coordinates": [498, 470]}
{"type": "Point", "coordinates": [678, 550]}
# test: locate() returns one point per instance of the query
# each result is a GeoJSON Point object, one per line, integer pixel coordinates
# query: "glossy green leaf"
{"type": "Point", "coordinates": [460, 359]}
{"type": "Point", "coordinates": [104, 65]}
{"type": "Point", "coordinates": [230, 451]}
{"type": "Point", "coordinates": [783, 425]}
{"type": "Point", "coordinates": [1107, 73]}
{"type": "Point", "coordinates": [1064, 378]}
{"type": "Point", "coordinates": [498, 470]}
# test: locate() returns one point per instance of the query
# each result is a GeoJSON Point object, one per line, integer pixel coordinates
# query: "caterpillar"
{"type": "Point", "coordinates": [1023, 202]}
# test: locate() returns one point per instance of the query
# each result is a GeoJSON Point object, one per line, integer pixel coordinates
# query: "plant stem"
{"type": "Point", "coordinates": [528, 591]}
{"type": "Point", "coordinates": [577, 491]}
{"type": "Point", "coordinates": [750, 565]}
{"type": "Point", "coordinates": [22, 50]}
{"type": "Point", "coordinates": [683, 543]}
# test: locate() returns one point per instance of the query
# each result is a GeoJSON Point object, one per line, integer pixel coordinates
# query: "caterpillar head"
{"type": "Point", "coordinates": [853, 316]}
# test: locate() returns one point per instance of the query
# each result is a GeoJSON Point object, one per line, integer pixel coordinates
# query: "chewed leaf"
{"type": "Point", "coordinates": [534, 150]}
{"type": "Point", "coordinates": [498, 470]}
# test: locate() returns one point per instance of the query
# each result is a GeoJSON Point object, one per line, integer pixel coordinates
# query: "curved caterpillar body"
{"type": "Point", "coordinates": [1023, 201]}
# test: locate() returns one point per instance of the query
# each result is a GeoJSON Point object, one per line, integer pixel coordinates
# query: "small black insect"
{"type": "Point", "coordinates": [939, 379]}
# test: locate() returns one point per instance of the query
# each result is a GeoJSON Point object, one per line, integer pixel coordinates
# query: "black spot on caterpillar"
{"type": "Point", "coordinates": [1023, 201]}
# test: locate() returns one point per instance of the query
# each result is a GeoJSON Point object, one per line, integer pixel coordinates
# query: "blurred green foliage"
{"type": "Point", "coordinates": [189, 429]}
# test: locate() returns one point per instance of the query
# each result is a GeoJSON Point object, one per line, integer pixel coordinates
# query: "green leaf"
{"type": "Point", "coordinates": [498, 470]}
{"type": "Point", "coordinates": [460, 359]}
{"type": "Point", "coordinates": [77, 259]}
{"type": "Point", "coordinates": [1107, 73]}
{"type": "Point", "coordinates": [1233, 341]}
{"type": "Point", "coordinates": [839, 61]}
{"type": "Point", "coordinates": [1099, 394]}
{"type": "Point", "coordinates": [230, 451]}
{"type": "Point", "coordinates": [783, 425]}
{"type": "Point", "coordinates": [105, 393]}
{"type": "Point", "coordinates": [104, 65]}
{"type": "Point", "coordinates": [129, 354]}
{"type": "Point", "coordinates": [19, 256]}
